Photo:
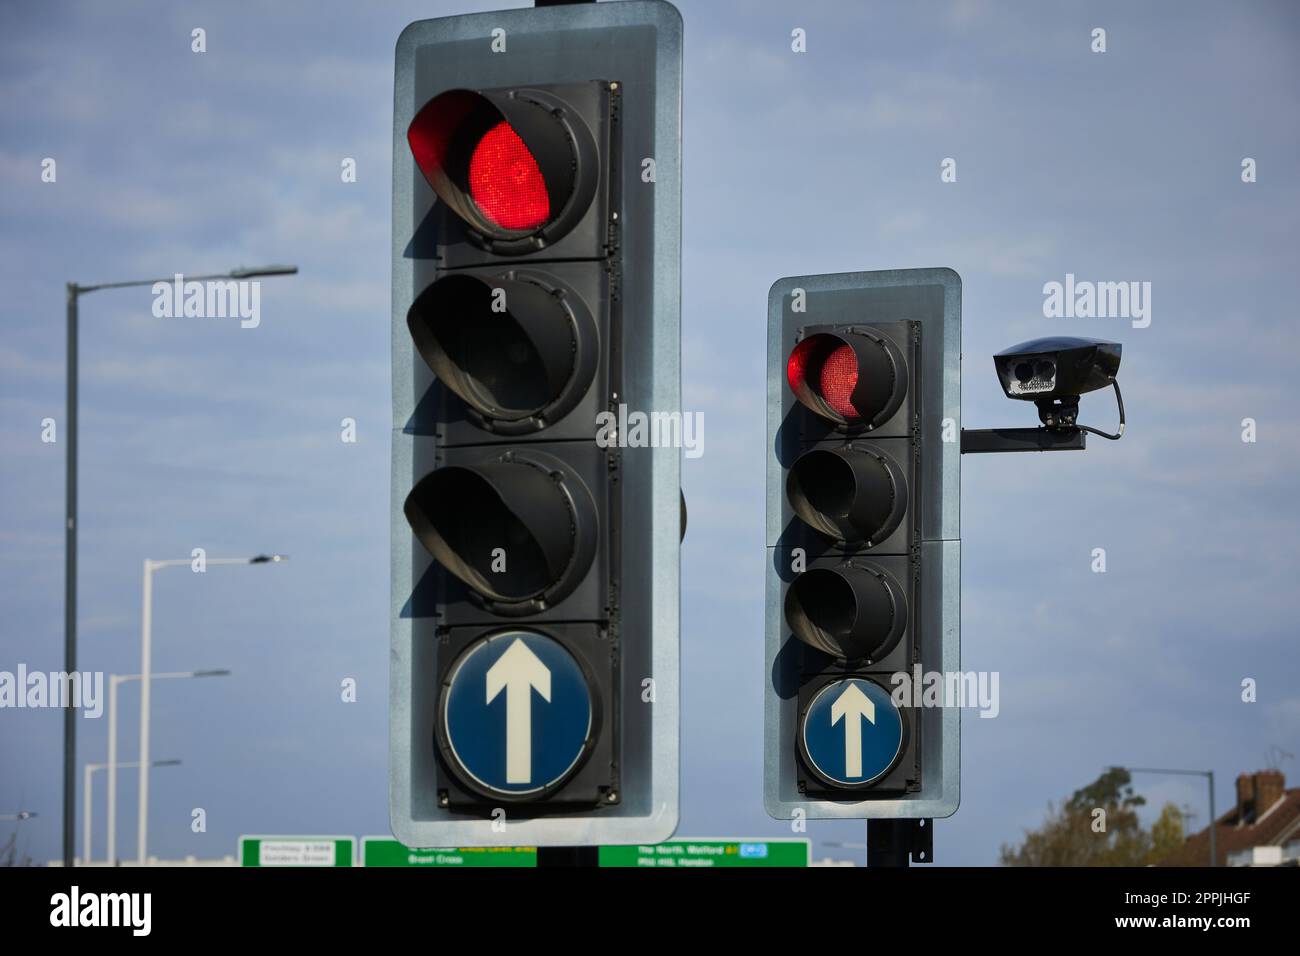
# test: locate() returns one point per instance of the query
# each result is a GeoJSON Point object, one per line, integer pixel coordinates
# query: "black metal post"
{"type": "Point", "coordinates": [899, 842]}
{"type": "Point", "coordinates": [70, 590]}
{"type": "Point", "coordinates": [568, 856]}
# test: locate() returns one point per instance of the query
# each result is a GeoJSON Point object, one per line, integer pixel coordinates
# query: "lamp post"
{"type": "Point", "coordinates": [113, 681]}
{"type": "Point", "coordinates": [1214, 819]}
{"type": "Point", "coordinates": [88, 803]}
{"type": "Point", "coordinates": [146, 658]}
{"type": "Point", "coordinates": [74, 292]}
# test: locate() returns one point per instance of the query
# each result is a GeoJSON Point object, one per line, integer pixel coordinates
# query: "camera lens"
{"type": "Point", "coordinates": [1046, 369]}
{"type": "Point", "coordinates": [1024, 371]}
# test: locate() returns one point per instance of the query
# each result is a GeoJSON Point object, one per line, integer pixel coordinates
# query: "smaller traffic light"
{"type": "Point", "coordinates": [863, 543]}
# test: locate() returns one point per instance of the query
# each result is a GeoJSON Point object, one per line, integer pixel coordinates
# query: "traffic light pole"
{"type": "Point", "coordinates": [568, 856]}
{"type": "Point", "coordinates": [70, 587]}
{"type": "Point", "coordinates": [899, 842]}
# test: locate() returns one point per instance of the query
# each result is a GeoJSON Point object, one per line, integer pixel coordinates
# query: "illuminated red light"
{"type": "Point", "coordinates": [796, 368]}
{"type": "Point", "coordinates": [838, 379]}
{"type": "Point", "coordinates": [831, 374]}
{"type": "Point", "coordinates": [505, 181]}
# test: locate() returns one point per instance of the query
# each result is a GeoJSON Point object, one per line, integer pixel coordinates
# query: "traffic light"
{"type": "Point", "coordinates": [536, 234]}
{"type": "Point", "coordinates": [863, 501]}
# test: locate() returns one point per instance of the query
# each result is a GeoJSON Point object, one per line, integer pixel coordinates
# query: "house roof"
{"type": "Point", "coordinates": [1276, 825]}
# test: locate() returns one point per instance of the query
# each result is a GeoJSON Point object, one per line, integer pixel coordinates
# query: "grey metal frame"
{"type": "Point", "coordinates": [641, 38]}
{"type": "Point", "coordinates": [940, 540]}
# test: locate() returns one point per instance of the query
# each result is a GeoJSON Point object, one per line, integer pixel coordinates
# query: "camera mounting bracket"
{"type": "Point", "coordinates": [1060, 432]}
{"type": "Point", "coordinates": [981, 440]}
{"type": "Point", "coordinates": [1058, 412]}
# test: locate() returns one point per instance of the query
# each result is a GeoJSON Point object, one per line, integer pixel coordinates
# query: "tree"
{"type": "Point", "coordinates": [1098, 826]}
{"type": "Point", "coordinates": [1167, 833]}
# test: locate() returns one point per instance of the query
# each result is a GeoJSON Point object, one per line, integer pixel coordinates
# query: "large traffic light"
{"type": "Point", "coordinates": [536, 234]}
{"type": "Point", "coordinates": [863, 501]}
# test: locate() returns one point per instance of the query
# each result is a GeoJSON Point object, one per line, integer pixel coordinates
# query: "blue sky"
{"type": "Point", "coordinates": [195, 433]}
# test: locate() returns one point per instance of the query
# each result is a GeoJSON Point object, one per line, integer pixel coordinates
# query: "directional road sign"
{"type": "Point", "coordinates": [852, 733]}
{"type": "Point", "coordinates": [297, 850]}
{"type": "Point", "coordinates": [679, 854]}
{"type": "Point", "coordinates": [385, 851]}
{"type": "Point", "coordinates": [517, 713]}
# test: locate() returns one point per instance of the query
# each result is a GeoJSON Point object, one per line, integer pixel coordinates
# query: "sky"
{"type": "Point", "coordinates": [1117, 166]}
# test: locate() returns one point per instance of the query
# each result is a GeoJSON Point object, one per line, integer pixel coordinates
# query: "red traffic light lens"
{"type": "Point", "coordinates": [838, 379]}
{"type": "Point", "coordinates": [519, 168]}
{"type": "Point", "coordinates": [505, 181]}
{"type": "Point", "coordinates": [827, 367]}
{"type": "Point", "coordinates": [853, 377]}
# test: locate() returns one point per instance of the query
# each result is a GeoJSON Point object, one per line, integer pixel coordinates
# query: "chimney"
{"type": "Point", "coordinates": [1256, 794]}
{"type": "Point", "coordinates": [1245, 797]}
{"type": "Point", "coordinates": [1269, 786]}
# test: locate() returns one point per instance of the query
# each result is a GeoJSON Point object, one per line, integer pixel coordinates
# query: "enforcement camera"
{"type": "Point", "coordinates": [1053, 372]}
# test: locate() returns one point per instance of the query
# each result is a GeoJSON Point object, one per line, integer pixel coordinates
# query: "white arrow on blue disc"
{"type": "Point", "coordinates": [852, 732]}
{"type": "Point", "coordinates": [516, 712]}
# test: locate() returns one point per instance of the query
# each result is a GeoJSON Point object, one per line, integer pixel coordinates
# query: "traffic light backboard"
{"type": "Point", "coordinates": [536, 234]}
{"type": "Point", "coordinates": [863, 534]}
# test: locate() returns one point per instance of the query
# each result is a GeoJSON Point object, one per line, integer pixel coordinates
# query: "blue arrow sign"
{"type": "Point", "coordinates": [852, 731]}
{"type": "Point", "coordinates": [517, 712]}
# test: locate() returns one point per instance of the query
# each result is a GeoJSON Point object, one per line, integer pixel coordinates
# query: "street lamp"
{"type": "Point", "coordinates": [75, 291]}
{"type": "Point", "coordinates": [113, 681]}
{"type": "Point", "coordinates": [1214, 849]}
{"type": "Point", "coordinates": [146, 657]}
{"type": "Point", "coordinates": [87, 809]}
{"type": "Point", "coordinates": [250, 273]}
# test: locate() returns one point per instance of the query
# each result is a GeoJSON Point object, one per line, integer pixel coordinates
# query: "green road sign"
{"type": "Point", "coordinates": [385, 851]}
{"type": "Point", "coordinates": [297, 850]}
{"type": "Point", "coordinates": [682, 853]}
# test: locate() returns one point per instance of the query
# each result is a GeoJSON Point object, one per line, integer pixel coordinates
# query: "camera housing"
{"type": "Point", "coordinates": [1053, 372]}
